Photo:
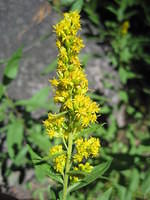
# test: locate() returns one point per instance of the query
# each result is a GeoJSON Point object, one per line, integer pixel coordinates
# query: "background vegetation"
{"type": "Point", "coordinates": [124, 28]}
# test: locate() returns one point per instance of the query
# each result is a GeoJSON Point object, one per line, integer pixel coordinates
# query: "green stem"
{"type": "Point", "coordinates": [67, 167]}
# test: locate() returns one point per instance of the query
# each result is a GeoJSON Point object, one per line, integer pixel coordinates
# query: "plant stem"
{"type": "Point", "coordinates": [67, 167]}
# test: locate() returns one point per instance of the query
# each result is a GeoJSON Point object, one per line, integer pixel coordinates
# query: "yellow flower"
{"type": "Point", "coordinates": [56, 149]}
{"type": "Point", "coordinates": [81, 167]}
{"type": "Point", "coordinates": [124, 28]}
{"type": "Point", "coordinates": [81, 103]}
{"type": "Point", "coordinates": [85, 167]}
{"type": "Point", "coordinates": [60, 160]}
{"type": "Point", "coordinates": [94, 146]}
{"type": "Point", "coordinates": [74, 179]}
{"type": "Point", "coordinates": [69, 104]}
{"type": "Point", "coordinates": [54, 125]}
{"type": "Point", "coordinates": [51, 133]}
{"type": "Point", "coordinates": [79, 111]}
{"type": "Point", "coordinates": [54, 82]}
{"type": "Point", "coordinates": [59, 163]}
{"type": "Point", "coordinates": [86, 148]}
{"type": "Point", "coordinates": [81, 148]}
{"type": "Point", "coordinates": [77, 45]}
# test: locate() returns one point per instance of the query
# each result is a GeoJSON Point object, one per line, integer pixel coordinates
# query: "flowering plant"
{"type": "Point", "coordinates": [71, 159]}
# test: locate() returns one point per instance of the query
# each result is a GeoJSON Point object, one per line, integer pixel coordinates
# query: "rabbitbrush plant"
{"type": "Point", "coordinates": [71, 159]}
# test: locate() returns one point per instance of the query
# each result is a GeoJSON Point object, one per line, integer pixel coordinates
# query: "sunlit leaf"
{"type": "Point", "coordinates": [12, 66]}
{"type": "Point", "coordinates": [77, 5]}
{"type": "Point", "coordinates": [37, 101]}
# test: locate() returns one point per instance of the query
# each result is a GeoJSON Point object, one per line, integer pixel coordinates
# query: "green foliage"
{"type": "Point", "coordinates": [14, 136]}
{"type": "Point", "coordinates": [11, 68]}
{"type": "Point", "coordinates": [128, 177]}
{"type": "Point", "coordinates": [39, 100]}
{"type": "Point", "coordinates": [50, 68]}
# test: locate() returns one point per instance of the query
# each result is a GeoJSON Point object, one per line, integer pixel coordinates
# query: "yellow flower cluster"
{"type": "Point", "coordinates": [86, 148]}
{"type": "Point", "coordinates": [54, 125]}
{"type": "Point", "coordinates": [59, 159]}
{"type": "Point", "coordinates": [85, 167]}
{"type": "Point", "coordinates": [56, 150]}
{"type": "Point", "coordinates": [81, 167]}
{"type": "Point", "coordinates": [124, 28]}
{"type": "Point", "coordinates": [72, 84]}
{"type": "Point", "coordinates": [70, 88]}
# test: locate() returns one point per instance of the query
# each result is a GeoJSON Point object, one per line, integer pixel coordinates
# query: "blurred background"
{"type": "Point", "coordinates": [117, 63]}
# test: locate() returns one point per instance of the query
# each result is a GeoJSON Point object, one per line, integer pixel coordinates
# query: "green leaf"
{"type": "Point", "coordinates": [146, 184]}
{"type": "Point", "coordinates": [92, 15]}
{"type": "Point", "coordinates": [142, 149]}
{"type": "Point", "coordinates": [38, 101]}
{"type": "Point", "coordinates": [2, 90]}
{"type": "Point", "coordinates": [105, 195]}
{"type": "Point", "coordinates": [130, 110]}
{"type": "Point", "coordinates": [21, 157]}
{"type": "Point", "coordinates": [121, 190]}
{"type": "Point", "coordinates": [111, 9]}
{"type": "Point", "coordinates": [125, 55]}
{"type": "Point", "coordinates": [3, 109]}
{"type": "Point", "coordinates": [77, 5]}
{"type": "Point", "coordinates": [97, 172]}
{"type": "Point", "coordinates": [52, 194]}
{"type": "Point", "coordinates": [14, 136]}
{"type": "Point", "coordinates": [67, 2]}
{"type": "Point", "coordinates": [123, 96]}
{"type": "Point", "coordinates": [105, 110]}
{"type": "Point", "coordinates": [125, 75]}
{"type": "Point", "coordinates": [43, 169]}
{"type": "Point", "coordinates": [96, 97]}
{"type": "Point", "coordinates": [50, 68]}
{"type": "Point", "coordinates": [85, 58]}
{"type": "Point", "coordinates": [12, 66]}
{"type": "Point", "coordinates": [134, 181]}
{"type": "Point", "coordinates": [39, 139]}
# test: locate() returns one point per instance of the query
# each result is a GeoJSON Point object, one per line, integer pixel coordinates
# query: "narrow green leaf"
{"type": "Point", "coordinates": [92, 15]}
{"type": "Point", "coordinates": [123, 75]}
{"type": "Point", "coordinates": [38, 138]}
{"type": "Point", "coordinates": [105, 195]}
{"type": "Point", "coordinates": [123, 96]}
{"type": "Point", "coordinates": [37, 101]}
{"type": "Point", "coordinates": [67, 2]}
{"type": "Point", "coordinates": [2, 90]}
{"type": "Point", "coordinates": [12, 66]}
{"type": "Point", "coordinates": [134, 181]}
{"type": "Point", "coordinates": [52, 194]}
{"type": "Point", "coordinates": [112, 9]}
{"type": "Point", "coordinates": [146, 184]}
{"type": "Point", "coordinates": [97, 97]}
{"type": "Point", "coordinates": [50, 68]}
{"type": "Point", "coordinates": [77, 5]}
{"type": "Point", "coordinates": [21, 157]}
{"type": "Point", "coordinates": [121, 190]}
{"type": "Point", "coordinates": [97, 172]}
{"type": "Point", "coordinates": [14, 136]}
{"type": "Point", "coordinates": [105, 110]}
{"type": "Point", "coordinates": [43, 169]}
